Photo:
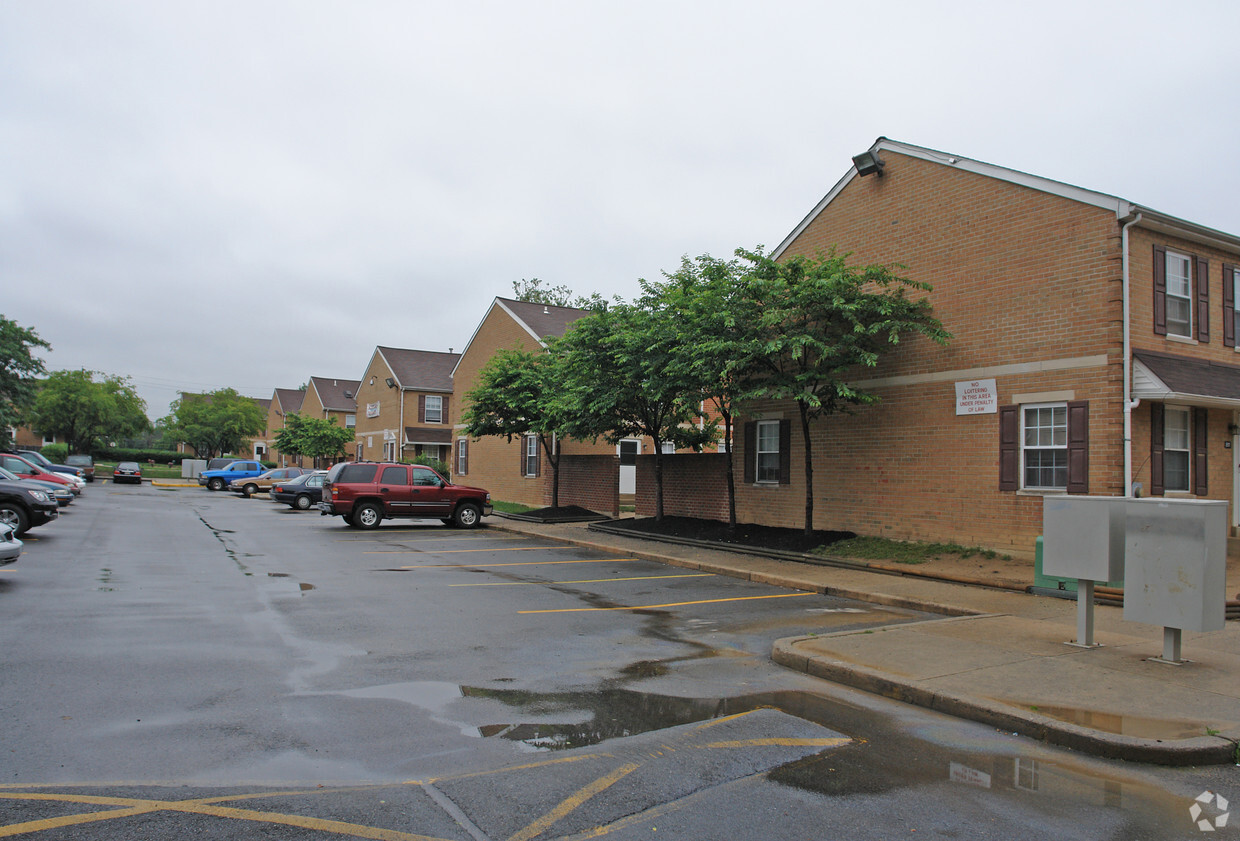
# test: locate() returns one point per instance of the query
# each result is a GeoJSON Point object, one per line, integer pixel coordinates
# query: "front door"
{"type": "Point", "coordinates": [628, 450]}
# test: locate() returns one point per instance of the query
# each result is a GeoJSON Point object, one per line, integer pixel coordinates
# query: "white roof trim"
{"type": "Point", "coordinates": [497, 302]}
{"type": "Point", "coordinates": [1120, 207]}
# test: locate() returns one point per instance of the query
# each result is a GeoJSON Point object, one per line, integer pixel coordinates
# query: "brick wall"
{"type": "Point", "coordinates": [694, 485]}
{"type": "Point", "coordinates": [591, 481]}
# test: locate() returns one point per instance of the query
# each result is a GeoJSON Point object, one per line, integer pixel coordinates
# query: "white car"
{"type": "Point", "coordinates": [10, 546]}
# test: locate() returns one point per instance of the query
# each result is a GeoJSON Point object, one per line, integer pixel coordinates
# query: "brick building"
{"type": "Point", "coordinates": [517, 470]}
{"type": "Point", "coordinates": [404, 400]}
{"type": "Point", "coordinates": [284, 402]}
{"type": "Point", "coordinates": [1094, 351]}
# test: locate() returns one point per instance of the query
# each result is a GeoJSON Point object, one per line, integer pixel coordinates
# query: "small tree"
{"type": "Point", "coordinates": [19, 370]}
{"type": "Point", "coordinates": [822, 323]}
{"type": "Point", "coordinates": [313, 437]}
{"type": "Point", "coordinates": [519, 393]}
{"type": "Point", "coordinates": [217, 422]}
{"type": "Point", "coordinates": [620, 381]}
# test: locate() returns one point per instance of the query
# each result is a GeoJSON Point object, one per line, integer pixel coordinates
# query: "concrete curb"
{"type": "Point", "coordinates": [1200, 750]}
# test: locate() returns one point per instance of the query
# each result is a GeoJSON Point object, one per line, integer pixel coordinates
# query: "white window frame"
{"type": "Point", "coordinates": [766, 459]}
{"type": "Point", "coordinates": [1183, 450]}
{"type": "Point", "coordinates": [1052, 438]}
{"type": "Point", "coordinates": [461, 455]}
{"type": "Point", "coordinates": [389, 451]}
{"type": "Point", "coordinates": [438, 412]}
{"type": "Point", "coordinates": [1182, 280]}
{"type": "Point", "coordinates": [531, 455]}
{"type": "Point", "coordinates": [350, 421]}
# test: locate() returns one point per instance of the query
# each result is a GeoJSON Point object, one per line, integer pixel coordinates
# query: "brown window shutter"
{"type": "Point", "coordinates": [1078, 447]}
{"type": "Point", "coordinates": [1229, 305]}
{"type": "Point", "coordinates": [1201, 432]}
{"type": "Point", "coordinates": [1160, 290]}
{"type": "Point", "coordinates": [421, 408]}
{"type": "Point", "coordinates": [751, 453]}
{"type": "Point", "coordinates": [1202, 272]}
{"type": "Point", "coordinates": [521, 445]}
{"type": "Point", "coordinates": [538, 456]}
{"type": "Point", "coordinates": [443, 415]}
{"type": "Point", "coordinates": [1009, 448]}
{"type": "Point", "coordinates": [1157, 484]}
{"type": "Point", "coordinates": [785, 452]}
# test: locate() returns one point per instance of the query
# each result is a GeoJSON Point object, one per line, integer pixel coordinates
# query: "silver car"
{"type": "Point", "coordinates": [10, 546]}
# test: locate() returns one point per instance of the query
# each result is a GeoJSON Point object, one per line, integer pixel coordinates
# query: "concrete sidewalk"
{"type": "Point", "coordinates": [997, 656]}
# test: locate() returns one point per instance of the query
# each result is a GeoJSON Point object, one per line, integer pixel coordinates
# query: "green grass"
{"type": "Point", "coordinates": [103, 470]}
{"type": "Point", "coordinates": [902, 552]}
{"type": "Point", "coordinates": [511, 507]}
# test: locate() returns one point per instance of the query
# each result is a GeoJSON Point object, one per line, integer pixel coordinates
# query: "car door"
{"type": "Point", "coordinates": [429, 497]}
{"type": "Point", "coordinates": [395, 490]}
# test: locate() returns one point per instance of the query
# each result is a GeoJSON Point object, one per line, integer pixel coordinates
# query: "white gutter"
{"type": "Point", "coordinates": [1129, 403]}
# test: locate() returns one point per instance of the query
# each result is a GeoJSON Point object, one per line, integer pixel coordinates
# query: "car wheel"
{"type": "Point", "coordinates": [467, 515]}
{"type": "Point", "coordinates": [249, 490]}
{"type": "Point", "coordinates": [303, 502]}
{"type": "Point", "coordinates": [367, 516]}
{"type": "Point", "coordinates": [215, 484]}
{"type": "Point", "coordinates": [13, 516]}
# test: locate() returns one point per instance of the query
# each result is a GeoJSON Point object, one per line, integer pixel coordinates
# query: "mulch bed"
{"type": "Point", "coordinates": [563, 514]}
{"type": "Point", "coordinates": [745, 534]}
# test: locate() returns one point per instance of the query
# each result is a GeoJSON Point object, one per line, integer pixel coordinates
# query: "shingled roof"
{"type": "Point", "coordinates": [290, 399]}
{"type": "Point", "coordinates": [1164, 376]}
{"type": "Point", "coordinates": [336, 395]}
{"type": "Point", "coordinates": [420, 370]}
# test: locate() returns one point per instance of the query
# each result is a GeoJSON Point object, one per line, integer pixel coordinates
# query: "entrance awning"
{"type": "Point", "coordinates": [1164, 377]}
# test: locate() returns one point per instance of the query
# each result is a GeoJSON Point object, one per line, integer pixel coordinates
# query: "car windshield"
{"type": "Point", "coordinates": [37, 458]}
{"type": "Point", "coordinates": [12, 477]}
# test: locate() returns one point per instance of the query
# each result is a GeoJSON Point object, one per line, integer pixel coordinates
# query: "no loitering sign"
{"type": "Point", "coordinates": [977, 397]}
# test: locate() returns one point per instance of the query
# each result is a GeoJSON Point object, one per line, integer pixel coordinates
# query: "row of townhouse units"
{"type": "Point", "coordinates": [1094, 351]}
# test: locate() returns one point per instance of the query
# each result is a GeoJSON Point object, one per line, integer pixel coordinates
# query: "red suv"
{"type": "Point", "coordinates": [365, 493]}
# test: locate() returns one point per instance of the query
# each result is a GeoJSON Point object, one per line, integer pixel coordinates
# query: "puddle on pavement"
{"type": "Point", "coordinates": [1125, 725]}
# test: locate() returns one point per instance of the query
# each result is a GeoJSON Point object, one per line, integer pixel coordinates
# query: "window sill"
{"type": "Point", "coordinates": [1185, 340]}
{"type": "Point", "coordinates": [1042, 492]}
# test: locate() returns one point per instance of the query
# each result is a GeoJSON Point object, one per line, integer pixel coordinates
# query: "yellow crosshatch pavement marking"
{"type": "Point", "coordinates": [102, 808]}
{"type": "Point", "coordinates": [583, 580]}
{"type": "Point", "coordinates": [670, 604]}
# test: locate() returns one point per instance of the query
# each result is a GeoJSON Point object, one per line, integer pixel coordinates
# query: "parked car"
{"type": "Point", "coordinates": [302, 492]}
{"type": "Point", "coordinates": [217, 480]}
{"type": "Point", "coordinates": [55, 490]}
{"type": "Point", "coordinates": [29, 470]}
{"type": "Point", "coordinates": [365, 494]}
{"type": "Point", "coordinates": [46, 463]}
{"type": "Point", "coordinates": [23, 507]}
{"type": "Point", "coordinates": [10, 546]}
{"type": "Point", "coordinates": [84, 463]}
{"type": "Point", "coordinates": [259, 484]}
{"type": "Point", "coordinates": [127, 471]}
{"type": "Point", "coordinates": [221, 463]}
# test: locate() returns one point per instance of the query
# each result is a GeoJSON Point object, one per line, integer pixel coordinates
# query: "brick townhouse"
{"type": "Point", "coordinates": [403, 403]}
{"type": "Point", "coordinates": [284, 402]}
{"type": "Point", "coordinates": [517, 470]}
{"type": "Point", "coordinates": [1094, 352]}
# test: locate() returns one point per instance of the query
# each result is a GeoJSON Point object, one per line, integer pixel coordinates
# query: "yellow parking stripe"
{"type": "Point", "coordinates": [544, 823]}
{"type": "Point", "coordinates": [582, 581]}
{"type": "Point", "coordinates": [783, 743]}
{"type": "Point", "coordinates": [670, 604]}
{"type": "Point", "coordinates": [523, 564]}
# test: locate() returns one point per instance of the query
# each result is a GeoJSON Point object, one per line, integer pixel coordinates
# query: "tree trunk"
{"type": "Point", "coordinates": [731, 473]}
{"type": "Point", "coordinates": [658, 481]}
{"type": "Point", "coordinates": [809, 469]}
{"type": "Point", "coordinates": [553, 459]}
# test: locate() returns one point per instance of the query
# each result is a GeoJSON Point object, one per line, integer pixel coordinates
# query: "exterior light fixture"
{"type": "Point", "coordinates": [391, 383]}
{"type": "Point", "coordinates": [868, 163]}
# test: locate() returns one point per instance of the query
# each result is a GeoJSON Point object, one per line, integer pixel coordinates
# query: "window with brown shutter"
{"type": "Point", "coordinates": [1202, 279]}
{"type": "Point", "coordinates": [1229, 305]}
{"type": "Point", "coordinates": [1157, 486]}
{"type": "Point", "coordinates": [1009, 448]}
{"type": "Point", "coordinates": [1201, 431]}
{"type": "Point", "coordinates": [1078, 447]}
{"type": "Point", "coordinates": [1160, 290]}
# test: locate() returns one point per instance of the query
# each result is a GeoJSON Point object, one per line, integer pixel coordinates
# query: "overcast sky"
{"type": "Point", "coordinates": [248, 194]}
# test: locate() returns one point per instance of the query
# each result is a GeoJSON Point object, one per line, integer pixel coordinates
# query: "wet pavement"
{"type": "Point", "coordinates": [996, 656]}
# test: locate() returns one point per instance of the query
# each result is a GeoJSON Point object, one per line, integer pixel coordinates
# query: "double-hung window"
{"type": "Point", "coordinates": [1045, 446]}
{"type": "Point", "coordinates": [1177, 448]}
{"type": "Point", "coordinates": [767, 451]}
{"type": "Point", "coordinates": [1179, 274]}
{"type": "Point", "coordinates": [434, 408]}
{"type": "Point", "coordinates": [531, 455]}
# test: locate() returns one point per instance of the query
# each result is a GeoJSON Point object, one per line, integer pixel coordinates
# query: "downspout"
{"type": "Point", "coordinates": [1129, 403]}
{"type": "Point", "coordinates": [400, 430]}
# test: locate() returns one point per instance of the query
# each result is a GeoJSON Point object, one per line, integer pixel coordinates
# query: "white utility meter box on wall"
{"type": "Point", "coordinates": [1083, 537]}
{"type": "Point", "coordinates": [1175, 571]}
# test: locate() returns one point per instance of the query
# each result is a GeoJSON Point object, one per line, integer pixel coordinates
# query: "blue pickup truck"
{"type": "Point", "coordinates": [217, 480]}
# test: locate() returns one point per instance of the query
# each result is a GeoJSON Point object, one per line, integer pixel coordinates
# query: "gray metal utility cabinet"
{"type": "Point", "coordinates": [1083, 538]}
{"type": "Point", "coordinates": [1175, 569]}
